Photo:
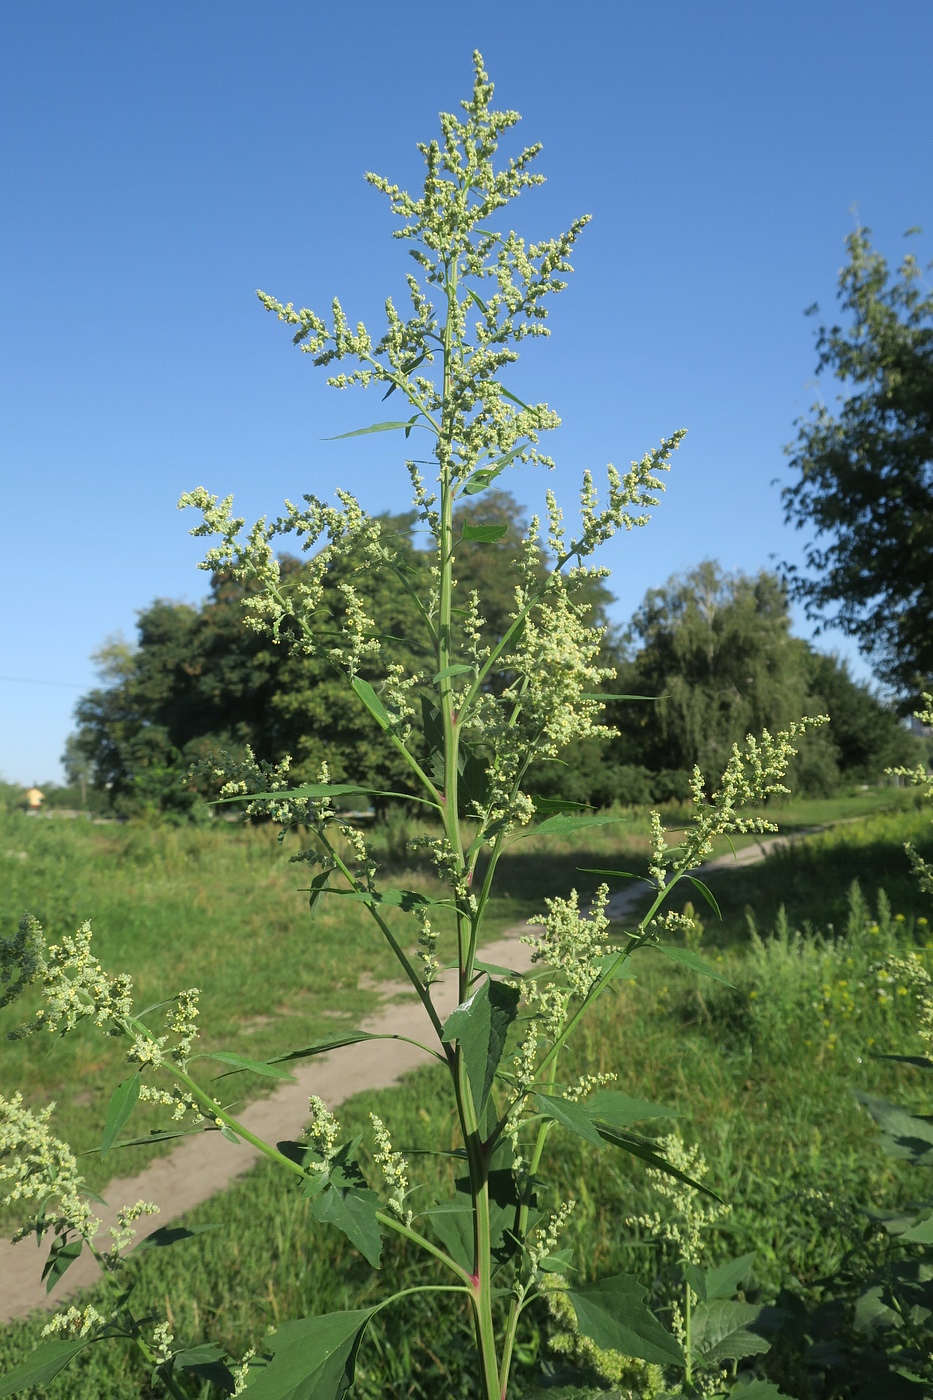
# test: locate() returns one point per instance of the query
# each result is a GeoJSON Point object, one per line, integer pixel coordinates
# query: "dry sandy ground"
{"type": "Point", "coordinates": [206, 1163]}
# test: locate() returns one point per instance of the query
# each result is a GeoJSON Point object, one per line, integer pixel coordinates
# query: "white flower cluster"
{"type": "Point", "coordinates": [123, 1233]}
{"type": "Point", "coordinates": [37, 1166]}
{"type": "Point", "coordinates": [75, 986]}
{"type": "Point", "coordinates": [393, 1167]}
{"type": "Point", "coordinates": [547, 1238]}
{"type": "Point", "coordinates": [74, 1323]}
{"type": "Point", "coordinates": [688, 1214]}
{"type": "Point", "coordinates": [323, 1129]}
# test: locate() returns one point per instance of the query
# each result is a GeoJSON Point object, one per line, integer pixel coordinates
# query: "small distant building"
{"type": "Point", "coordinates": [34, 799]}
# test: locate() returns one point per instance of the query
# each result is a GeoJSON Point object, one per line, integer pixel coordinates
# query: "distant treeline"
{"type": "Point", "coordinates": [711, 653]}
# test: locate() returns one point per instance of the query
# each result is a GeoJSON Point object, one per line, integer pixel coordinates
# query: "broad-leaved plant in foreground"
{"type": "Point", "coordinates": [468, 723]}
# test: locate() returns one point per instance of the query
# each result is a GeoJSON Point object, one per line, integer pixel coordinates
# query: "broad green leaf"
{"type": "Point", "coordinates": [757, 1390]}
{"type": "Point", "coordinates": [902, 1134]}
{"type": "Point", "coordinates": [485, 534]}
{"type": "Point", "coordinates": [645, 1149]}
{"type": "Point", "coordinates": [559, 1263]}
{"type": "Point", "coordinates": [707, 894]}
{"type": "Point", "coordinates": [623, 970]}
{"type": "Point", "coordinates": [453, 1225]}
{"type": "Point", "coordinates": [122, 1102]}
{"type": "Point", "coordinates": [239, 1062]}
{"type": "Point", "coordinates": [480, 1026]}
{"type": "Point", "coordinates": [168, 1235]}
{"type": "Point", "coordinates": [921, 1233]}
{"type": "Point", "coordinates": [207, 1362]}
{"type": "Point", "coordinates": [720, 1331]}
{"type": "Point", "coordinates": [568, 823]}
{"type": "Point", "coordinates": [721, 1282]}
{"type": "Point", "coordinates": [43, 1366]}
{"type": "Point", "coordinates": [688, 958]}
{"type": "Point", "coordinates": [372, 702]}
{"type": "Point", "coordinates": [485, 476]}
{"type": "Point", "coordinates": [569, 1115]}
{"type": "Point", "coordinates": [613, 1314]}
{"type": "Point", "coordinates": [61, 1256]}
{"type": "Point", "coordinates": [375, 428]}
{"type": "Point", "coordinates": [352, 1208]}
{"type": "Point", "coordinates": [448, 671]}
{"type": "Point", "coordinates": [313, 1358]}
{"type": "Point", "coordinates": [617, 1110]}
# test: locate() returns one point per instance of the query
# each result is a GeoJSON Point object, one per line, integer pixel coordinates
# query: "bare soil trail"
{"type": "Point", "coordinates": [204, 1164]}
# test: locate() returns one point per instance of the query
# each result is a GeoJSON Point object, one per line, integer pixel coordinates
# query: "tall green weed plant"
{"type": "Point", "coordinates": [468, 721]}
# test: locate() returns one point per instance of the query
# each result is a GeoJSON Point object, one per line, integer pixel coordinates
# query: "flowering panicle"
{"type": "Point", "coordinates": [75, 985]}
{"type": "Point", "coordinates": [323, 1129]}
{"type": "Point", "coordinates": [394, 1169]}
{"type": "Point", "coordinates": [37, 1166]}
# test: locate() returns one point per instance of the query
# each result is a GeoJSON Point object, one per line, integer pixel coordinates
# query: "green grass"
{"type": "Point", "coordinates": [761, 1073]}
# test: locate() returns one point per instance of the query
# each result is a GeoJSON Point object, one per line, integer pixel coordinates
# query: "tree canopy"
{"type": "Point", "coordinates": [865, 474]}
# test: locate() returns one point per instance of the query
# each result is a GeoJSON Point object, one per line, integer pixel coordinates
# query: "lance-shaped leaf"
{"type": "Point", "coordinates": [721, 1332]}
{"type": "Point", "coordinates": [614, 1315]}
{"type": "Point", "coordinates": [568, 1114]}
{"type": "Point", "coordinates": [346, 1201]}
{"type": "Point", "coordinates": [485, 476]}
{"type": "Point", "coordinates": [707, 894]}
{"type": "Point", "coordinates": [480, 1026]}
{"type": "Point", "coordinates": [43, 1366]}
{"type": "Point", "coordinates": [323, 1047]}
{"type": "Point", "coordinates": [313, 1358]}
{"type": "Point", "coordinates": [617, 1110]}
{"type": "Point", "coordinates": [243, 1062]}
{"type": "Point", "coordinates": [645, 1149]}
{"type": "Point", "coordinates": [317, 792]}
{"type": "Point", "coordinates": [485, 534]}
{"type": "Point", "coordinates": [61, 1257]}
{"type": "Point", "coordinates": [722, 1282]}
{"type": "Point", "coordinates": [167, 1235]}
{"type": "Point", "coordinates": [687, 958]}
{"type": "Point", "coordinates": [460, 669]}
{"type": "Point", "coordinates": [568, 824]}
{"type": "Point", "coordinates": [122, 1102]}
{"type": "Point", "coordinates": [407, 423]}
{"type": "Point", "coordinates": [372, 702]}
{"type": "Point", "coordinates": [405, 900]}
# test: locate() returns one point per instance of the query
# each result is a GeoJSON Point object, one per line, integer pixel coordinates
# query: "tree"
{"type": "Point", "coordinates": [865, 474]}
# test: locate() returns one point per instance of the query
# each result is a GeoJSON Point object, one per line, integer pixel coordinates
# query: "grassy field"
{"type": "Point", "coordinates": [761, 1073]}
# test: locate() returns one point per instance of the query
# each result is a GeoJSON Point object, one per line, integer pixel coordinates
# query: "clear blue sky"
{"type": "Point", "coordinates": [163, 160]}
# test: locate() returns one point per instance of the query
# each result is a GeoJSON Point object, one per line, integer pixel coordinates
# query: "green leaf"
{"type": "Point", "coordinates": [515, 399]}
{"type": "Point", "coordinates": [347, 1202]}
{"type": "Point", "coordinates": [375, 428]}
{"type": "Point", "coordinates": [688, 958]}
{"type": "Point", "coordinates": [613, 1314]}
{"type": "Point", "coordinates": [485, 476]}
{"type": "Point", "coordinates": [601, 695]}
{"type": "Point", "coordinates": [720, 1331]}
{"type": "Point", "coordinates": [485, 534]}
{"type": "Point", "coordinates": [313, 1358]}
{"type": "Point", "coordinates": [122, 1102]}
{"type": "Point", "coordinates": [206, 1361]}
{"type": "Point", "coordinates": [615, 874]}
{"type": "Point", "coordinates": [617, 1110]}
{"type": "Point", "coordinates": [624, 970]}
{"type": "Point", "coordinates": [453, 1225]}
{"type": "Point", "coordinates": [707, 894]}
{"type": "Point", "coordinates": [43, 1366]}
{"type": "Point", "coordinates": [557, 804]}
{"type": "Point", "coordinates": [567, 824]}
{"type": "Point", "coordinates": [721, 1282]}
{"type": "Point", "coordinates": [480, 1026]}
{"type": "Point", "coordinates": [757, 1390]}
{"type": "Point", "coordinates": [918, 1061]}
{"type": "Point", "coordinates": [903, 1134]}
{"type": "Point", "coordinates": [396, 899]}
{"type": "Point", "coordinates": [448, 671]}
{"type": "Point", "coordinates": [168, 1235]}
{"type": "Point", "coordinates": [558, 1263]}
{"type": "Point", "coordinates": [315, 792]}
{"type": "Point", "coordinates": [61, 1256]}
{"type": "Point", "coordinates": [645, 1149]}
{"type": "Point", "coordinates": [322, 1047]}
{"type": "Point", "coordinates": [372, 702]}
{"type": "Point", "coordinates": [921, 1233]}
{"type": "Point", "coordinates": [569, 1115]}
{"type": "Point", "coordinates": [240, 1062]}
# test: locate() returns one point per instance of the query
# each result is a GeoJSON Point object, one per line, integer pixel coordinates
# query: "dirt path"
{"type": "Point", "coordinates": [205, 1164]}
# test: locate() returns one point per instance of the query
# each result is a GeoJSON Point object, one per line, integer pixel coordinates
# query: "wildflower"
{"type": "Point", "coordinates": [74, 1322]}
{"type": "Point", "coordinates": [394, 1169]}
{"type": "Point", "coordinates": [36, 1166]}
